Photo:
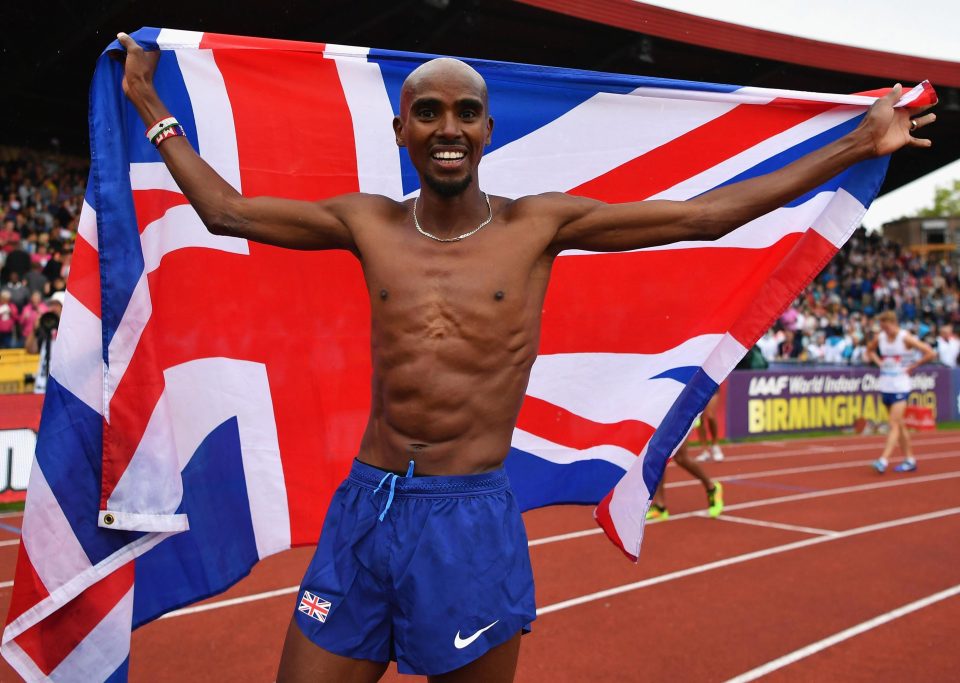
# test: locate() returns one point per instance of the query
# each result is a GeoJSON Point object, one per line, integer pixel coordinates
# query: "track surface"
{"type": "Point", "coordinates": [819, 569]}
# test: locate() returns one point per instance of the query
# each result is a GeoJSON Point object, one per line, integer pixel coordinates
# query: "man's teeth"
{"type": "Point", "coordinates": [448, 155]}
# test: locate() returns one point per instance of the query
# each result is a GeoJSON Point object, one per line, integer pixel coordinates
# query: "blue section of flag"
{"type": "Point", "coordinates": [862, 181]}
{"type": "Point", "coordinates": [173, 92]}
{"type": "Point", "coordinates": [120, 255]}
{"type": "Point", "coordinates": [676, 425]}
{"type": "Point", "coordinates": [70, 428]}
{"type": "Point", "coordinates": [537, 482]}
{"type": "Point", "coordinates": [682, 374]}
{"type": "Point", "coordinates": [204, 560]}
{"type": "Point", "coordinates": [121, 674]}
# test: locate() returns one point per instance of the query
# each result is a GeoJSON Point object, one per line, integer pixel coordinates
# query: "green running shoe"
{"type": "Point", "coordinates": [657, 513]}
{"type": "Point", "coordinates": [715, 500]}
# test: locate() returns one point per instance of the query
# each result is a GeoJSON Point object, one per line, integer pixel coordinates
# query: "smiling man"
{"type": "Point", "coordinates": [423, 555]}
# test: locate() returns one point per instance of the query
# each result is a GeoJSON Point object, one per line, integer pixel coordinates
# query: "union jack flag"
{"type": "Point", "coordinates": [207, 393]}
{"type": "Point", "coordinates": [314, 607]}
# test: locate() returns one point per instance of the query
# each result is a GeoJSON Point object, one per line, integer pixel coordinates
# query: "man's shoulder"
{"type": "Point", "coordinates": [363, 206]}
{"type": "Point", "coordinates": [546, 203]}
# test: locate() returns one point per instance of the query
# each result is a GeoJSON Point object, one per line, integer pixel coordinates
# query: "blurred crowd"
{"type": "Point", "coordinates": [40, 199]}
{"type": "Point", "coordinates": [834, 318]}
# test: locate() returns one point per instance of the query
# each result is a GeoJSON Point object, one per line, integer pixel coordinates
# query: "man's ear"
{"type": "Point", "coordinates": [489, 130]}
{"type": "Point", "coordinates": [398, 131]}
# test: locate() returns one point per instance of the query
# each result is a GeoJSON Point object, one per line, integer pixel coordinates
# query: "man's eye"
{"type": "Point", "coordinates": [425, 113]}
{"type": "Point", "coordinates": [468, 114]}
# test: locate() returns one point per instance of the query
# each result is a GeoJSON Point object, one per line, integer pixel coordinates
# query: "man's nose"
{"type": "Point", "coordinates": [450, 125]}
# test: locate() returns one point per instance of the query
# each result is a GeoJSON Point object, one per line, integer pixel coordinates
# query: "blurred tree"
{"type": "Point", "coordinates": [946, 202]}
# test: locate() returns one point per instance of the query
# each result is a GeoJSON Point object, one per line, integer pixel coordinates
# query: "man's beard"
{"type": "Point", "coordinates": [448, 188]}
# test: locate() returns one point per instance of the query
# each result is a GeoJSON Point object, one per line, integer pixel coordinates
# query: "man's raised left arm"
{"type": "Point", "coordinates": [596, 226]}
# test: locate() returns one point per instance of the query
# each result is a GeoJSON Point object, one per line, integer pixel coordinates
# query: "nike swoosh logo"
{"type": "Point", "coordinates": [461, 643]}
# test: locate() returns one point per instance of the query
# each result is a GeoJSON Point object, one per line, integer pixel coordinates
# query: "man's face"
{"type": "Point", "coordinates": [889, 328]}
{"type": "Point", "coordinates": [444, 124]}
{"type": "Point", "coordinates": [946, 331]}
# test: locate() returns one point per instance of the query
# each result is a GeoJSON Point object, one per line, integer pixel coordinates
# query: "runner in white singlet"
{"type": "Point", "coordinates": [898, 353]}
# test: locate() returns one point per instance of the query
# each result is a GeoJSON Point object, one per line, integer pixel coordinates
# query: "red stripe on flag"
{"type": "Point", "coordinates": [83, 283]}
{"type": "Point", "coordinates": [927, 98]}
{"type": "Point", "coordinates": [784, 283]}
{"type": "Point", "coordinates": [28, 588]}
{"type": "Point", "coordinates": [602, 516]}
{"type": "Point", "coordinates": [560, 426]}
{"type": "Point", "coordinates": [220, 41]}
{"type": "Point", "coordinates": [49, 642]}
{"type": "Point", "coordinates": [153, 204]}
{"type": "Point", "coordinates": [682, 293]}
{"type": "Point", "coordinates": [696, 151]}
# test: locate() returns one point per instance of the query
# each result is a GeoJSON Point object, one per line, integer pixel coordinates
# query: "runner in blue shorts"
{"type": "Point", "coordinates": [898, 353]}
{"type": "Point", "coordinates": [434, 570]}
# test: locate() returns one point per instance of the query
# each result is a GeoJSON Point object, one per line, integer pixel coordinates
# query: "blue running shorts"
{"type": "Point", "coordinates": [429, 571]}
{"type": "Point", "coordinates": [890, 399]}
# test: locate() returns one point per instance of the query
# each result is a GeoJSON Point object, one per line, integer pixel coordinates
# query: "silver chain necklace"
{"type": "Point", "coordinates": [458, 237]}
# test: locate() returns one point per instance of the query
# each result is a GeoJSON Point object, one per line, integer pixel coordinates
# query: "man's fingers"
{"type": "Point", "coordinates": [128, 43]}
{"type": "Point", "coordinates": [920, 142]}
{"type": "Point", "coordinates": [921, 121]}
{"type": "Point", "coordinates": [894, 94]}
{"type": "Point", "coordinates": [925, 120]}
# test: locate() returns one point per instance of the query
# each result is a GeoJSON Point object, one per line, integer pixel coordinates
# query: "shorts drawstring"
{"type": "Point", "coordinates": [393, 484]}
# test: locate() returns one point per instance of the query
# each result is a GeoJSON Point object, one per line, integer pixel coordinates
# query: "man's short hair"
{"type": "Point", "coordinates": [887, 317]}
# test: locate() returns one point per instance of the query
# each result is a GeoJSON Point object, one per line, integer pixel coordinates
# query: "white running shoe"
{"type": "Point", "coordinates": [706, 455]}
{"type": "Point", "coordinates": [716, 453]}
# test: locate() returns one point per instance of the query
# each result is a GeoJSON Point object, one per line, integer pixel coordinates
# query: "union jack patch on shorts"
{"type": "Point", "coordinates": [314, 606]}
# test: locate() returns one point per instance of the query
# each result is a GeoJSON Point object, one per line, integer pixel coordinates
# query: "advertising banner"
{"type": "Point", "coordinates": [770, 402]}
{"type": "Point", "coordinates": [19, 421]}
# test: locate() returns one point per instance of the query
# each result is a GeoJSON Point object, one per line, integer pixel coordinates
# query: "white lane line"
{"type": "Point", "coordinates": [846, 634]}
{"type": "Point", "coordinates": [773, 525]}
{"type": "Point", "coordinates": [840, 491]}
{"type": "Point", "coordinates": [800, 470]}
{"type": "Point", "coordinates": [12, 541]}
{"type": "Point", "coordinates": [565, 537]}
{"type": "Point", "coordinates": [232, 601]}
{"type": "Point", "coordinates": [15, 513]}
{"type": "Point", "coordinates": [746, 557]}
{"type": "Point", "coordinates": [699, 569]}
{"type": "Point", "coordinates": [764, 501]}
{"type": "Point", "coordinates": [6, 584]}
{"type": "Point", "coordinates": [808, 450]}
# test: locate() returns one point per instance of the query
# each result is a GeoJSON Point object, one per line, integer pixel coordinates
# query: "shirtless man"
{"type": "Point", "coordinates": [434, 570]}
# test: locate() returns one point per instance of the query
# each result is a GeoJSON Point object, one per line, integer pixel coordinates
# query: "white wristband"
{"type": "Point", "coordinates": [160, 125]}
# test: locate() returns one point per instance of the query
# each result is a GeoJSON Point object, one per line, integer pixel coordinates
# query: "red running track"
{"type": "Point", "coordinates": [819, 569]}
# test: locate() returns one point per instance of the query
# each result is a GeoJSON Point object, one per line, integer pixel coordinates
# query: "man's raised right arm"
{"type": "Point", "coordinates": [270, 220]}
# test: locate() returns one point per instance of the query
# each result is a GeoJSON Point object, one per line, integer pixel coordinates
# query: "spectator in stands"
{"type": "Point", "coordinates": [769, 344]}
{"type": "Point", "coordinates": [18, 261]}
{"type": "Point", "coordinates": [816, 349]}
{"type": "Point", "coordinates": [9, 316]}
{"type": "Point", "coordinates": [30, 314]}
{"type": "Point", "coordinates": [35, 279]}
{"type": "Point", "coordinates": [948, 346]}
{"type": "Point", "coordinates": [19, 291]}
{"type": "Point", "coordinates": [54, 266]}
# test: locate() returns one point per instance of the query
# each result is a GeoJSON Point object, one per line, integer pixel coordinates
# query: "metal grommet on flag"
{"type": "Point", "coordinates": [109, 519]}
